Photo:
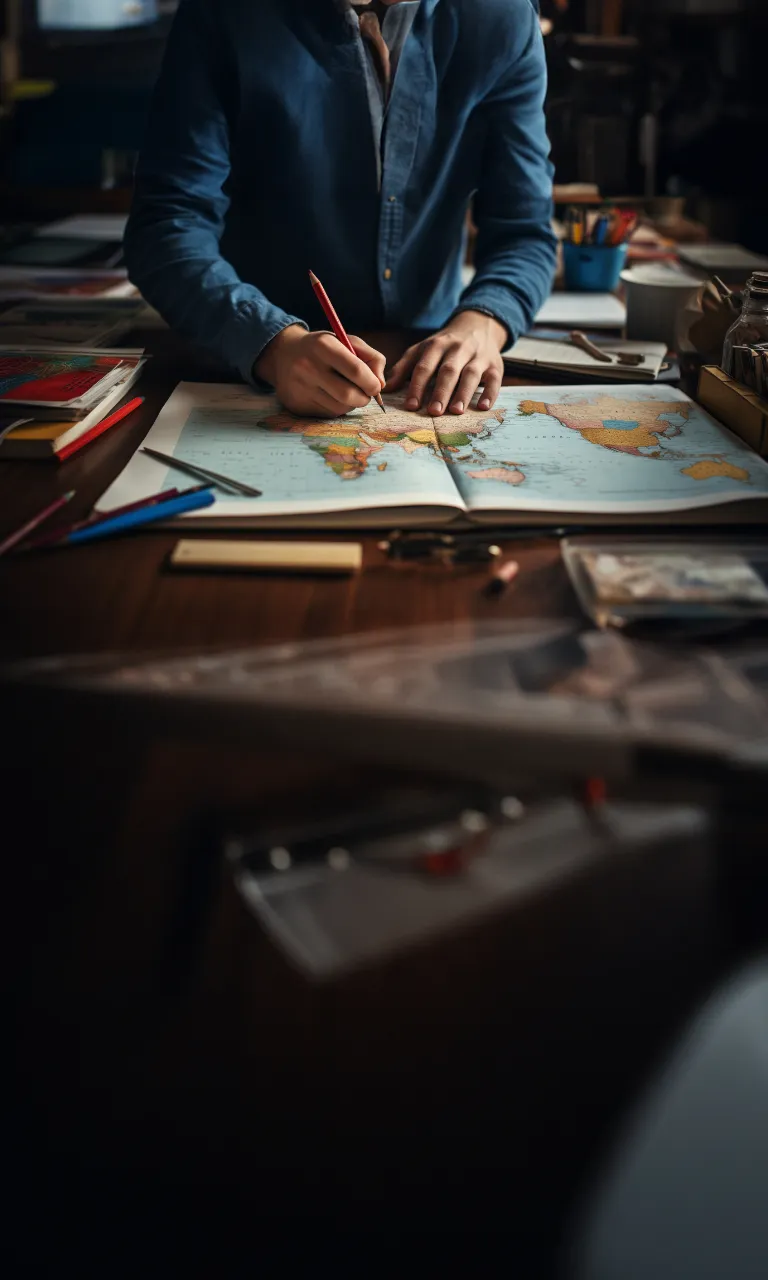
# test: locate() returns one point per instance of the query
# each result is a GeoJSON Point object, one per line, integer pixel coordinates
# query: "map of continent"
{"type": "Point", "coordinates": [629, 426]}
{"type": "Point", "coordinates": [347, 445]}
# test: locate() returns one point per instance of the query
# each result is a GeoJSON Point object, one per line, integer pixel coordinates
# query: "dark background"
{"type": "Point", "coordinates": [693, 68]}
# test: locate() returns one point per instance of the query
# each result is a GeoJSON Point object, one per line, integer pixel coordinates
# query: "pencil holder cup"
{"type": "Point", "coordinates": [593, 268]}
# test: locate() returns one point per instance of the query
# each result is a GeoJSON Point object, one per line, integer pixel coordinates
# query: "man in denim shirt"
{"type": "Point", "coordinates": [348, 136]}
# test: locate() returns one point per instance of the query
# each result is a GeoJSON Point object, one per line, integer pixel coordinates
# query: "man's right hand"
{"type": "Point", "coordinates": [314, 374]}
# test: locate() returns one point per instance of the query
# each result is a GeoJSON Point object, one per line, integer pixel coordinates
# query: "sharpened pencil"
{"type": "Point", "coordinates": [336, 325]}
{"type": "Point", "coordinates": [14, 538]}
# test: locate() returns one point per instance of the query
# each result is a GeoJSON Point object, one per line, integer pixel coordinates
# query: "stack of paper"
{"type": "Point", "coordinates": [723, 259]}
{"type": "Point", "coordinates": [60, 383]}
{"type": "Point", "coordinates": [87, 226]}
{"type": "Point", "coordinates": [574, 310]}
{"type": "Point", "coordinates": [98, 322]}
{"type": "Point", "coordinates": [51, 283]}
{"type": "Point", "coordinates": [583, 311]}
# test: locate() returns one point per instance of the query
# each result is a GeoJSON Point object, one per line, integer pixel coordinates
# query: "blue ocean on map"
{"type": "Point", "coordinates": [570, 445]}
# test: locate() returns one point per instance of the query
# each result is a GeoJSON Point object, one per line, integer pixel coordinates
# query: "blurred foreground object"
{"type": "Point", "coordinates": [685, 1197]}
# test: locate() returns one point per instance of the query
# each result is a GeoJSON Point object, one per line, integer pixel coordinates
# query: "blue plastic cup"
{"type": "Point", "coordinates": [593, 268]}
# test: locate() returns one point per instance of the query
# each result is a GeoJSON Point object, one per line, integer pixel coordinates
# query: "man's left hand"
{"type": "Point", "coordinates": [466, 353]}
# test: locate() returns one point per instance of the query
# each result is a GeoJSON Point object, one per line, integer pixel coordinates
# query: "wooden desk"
{"type": "Point", "coordinates": [168, 1062]}
{"type": "Point", "coordinates": [116, 595]}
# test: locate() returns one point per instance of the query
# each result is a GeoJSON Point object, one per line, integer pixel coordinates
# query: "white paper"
{"type": "Point", "coordinates": [573, 310]}
{"type": "Point", "coordinates": [583, 311]}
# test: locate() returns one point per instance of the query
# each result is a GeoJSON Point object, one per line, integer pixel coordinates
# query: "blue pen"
{"type": "Point", "coordinates": [601, 226]}
{"type": "Point", "coordinates": [131, 519]}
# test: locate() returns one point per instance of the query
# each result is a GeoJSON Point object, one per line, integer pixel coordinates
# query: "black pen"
{"type": "Point", "coordinates": [202, 473]}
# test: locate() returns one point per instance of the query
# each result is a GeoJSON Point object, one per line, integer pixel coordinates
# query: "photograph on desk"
{"type": "Point", "coordinates": [605, 450]}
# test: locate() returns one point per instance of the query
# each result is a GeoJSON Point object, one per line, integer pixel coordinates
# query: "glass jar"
{"type": "Point", "coordinates": [752, 325]}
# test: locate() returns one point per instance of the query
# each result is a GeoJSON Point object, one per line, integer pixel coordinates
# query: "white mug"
{"type": "Point", "coordinates": [656, 295]}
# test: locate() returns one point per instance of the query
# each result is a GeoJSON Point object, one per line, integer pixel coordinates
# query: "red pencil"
{"type": "Point", "coordinates": [100, 427]}
{"type": "Point", "coordinates": [336, 325]}
{"type": "Point", "coordinates": [14, 538]}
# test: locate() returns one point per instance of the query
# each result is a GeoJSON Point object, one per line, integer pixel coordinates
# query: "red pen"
{"type": "Point", "coordinates": [336, 325]}
{"type": "Point", "coordinates": [100, 428]}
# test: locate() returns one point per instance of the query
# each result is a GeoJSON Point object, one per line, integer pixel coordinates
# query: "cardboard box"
{"type": "Point", "coordinates": [739, 408]}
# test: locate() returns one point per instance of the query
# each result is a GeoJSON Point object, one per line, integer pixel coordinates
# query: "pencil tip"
{"type": "Point", "coordinates": [68, 496]}
{"type": "Point", "coordinates": [313, 277]}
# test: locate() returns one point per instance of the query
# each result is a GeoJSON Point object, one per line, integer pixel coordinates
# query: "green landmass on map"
{"type": "Point", "coordinates": [346, 445]}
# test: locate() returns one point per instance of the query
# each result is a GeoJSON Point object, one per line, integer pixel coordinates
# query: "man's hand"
{"type": "Point", "coordinates": [314, 374]}
{"type": "Point", "coordinates": [464, 354]}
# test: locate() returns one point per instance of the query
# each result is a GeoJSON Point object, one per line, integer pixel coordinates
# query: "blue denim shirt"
{"type": "Point", "coordinates": [259, 164]}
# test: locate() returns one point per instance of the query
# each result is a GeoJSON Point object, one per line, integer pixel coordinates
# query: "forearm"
{"type": "Point", "coordinates": [176, 264]}
{"type": "Point", "coordinates": [515, 266]}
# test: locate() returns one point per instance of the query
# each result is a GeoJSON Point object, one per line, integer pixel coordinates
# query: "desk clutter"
{"type": "Point", "coordinates": [687, 585]}
{"type": "Point", "coordinates": [595, 247]}
{"type": "Point", "coordinates": [55, 401]}
{"type": "Point", "coordinates": [595, 356]}
{"type": "Point", "coordinates": [738, 390]}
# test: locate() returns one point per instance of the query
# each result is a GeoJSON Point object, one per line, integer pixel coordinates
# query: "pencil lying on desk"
{"type": "Point", "coordinates": [336, 325]}
{"type": "Point", "coordinates": [14, 538]}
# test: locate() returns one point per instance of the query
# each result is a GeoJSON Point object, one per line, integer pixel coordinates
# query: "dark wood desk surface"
{"type": "Point", "coordinates": [116, 594]}
{"type": "Point", "coordinates": [162, 1045]}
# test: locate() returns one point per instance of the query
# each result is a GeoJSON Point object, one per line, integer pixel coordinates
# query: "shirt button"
{"type": "Point", "coordinates": [393, 199]}
{"type": "Point", "coordinates": [388, 274]}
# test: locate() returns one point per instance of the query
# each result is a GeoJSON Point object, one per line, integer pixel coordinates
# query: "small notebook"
{"type": "Point", "coordinates": [60, 383]}
{"type": "Point", "coordinates": [564, 357]}
{"type": "Point", "coordinates": [34, 440]}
